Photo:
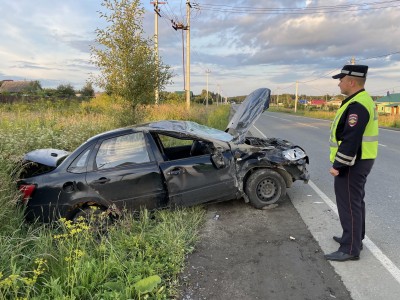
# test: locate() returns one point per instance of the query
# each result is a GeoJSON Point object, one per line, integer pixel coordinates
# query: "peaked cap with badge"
{"type": "Point", "coordinates": [352, 70]}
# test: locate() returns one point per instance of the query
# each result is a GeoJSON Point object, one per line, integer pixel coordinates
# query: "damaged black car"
{"type": "Point", "coordinates": [163, 164]}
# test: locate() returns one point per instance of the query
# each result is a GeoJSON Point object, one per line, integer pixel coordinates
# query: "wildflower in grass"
{"type": "Point", "coordinates": [74, 255]}
{"type": "Point", "coordinates": [71, 228]}
{"type": "Point", "coordinates": [12, 284]}
{"type": "Point", "coordinates": [9, 281]}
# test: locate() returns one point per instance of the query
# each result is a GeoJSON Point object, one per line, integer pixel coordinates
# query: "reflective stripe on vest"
{"type": "Point", "coordinates": [369, 145]}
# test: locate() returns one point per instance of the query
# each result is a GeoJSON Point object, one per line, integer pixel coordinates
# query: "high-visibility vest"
{"type": "Point", "coordinates": [369, 145]}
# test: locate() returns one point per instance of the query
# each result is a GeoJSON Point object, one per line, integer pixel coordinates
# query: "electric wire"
{"type": "Point", "coordinates": [300, 10]}
{"type": "Point", "coordinates": [170, 15]}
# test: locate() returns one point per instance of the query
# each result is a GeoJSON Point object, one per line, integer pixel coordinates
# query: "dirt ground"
{"type": "Point", "coordinates": [246, 253]}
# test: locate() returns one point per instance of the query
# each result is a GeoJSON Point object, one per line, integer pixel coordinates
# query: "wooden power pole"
{"type": "Point", "coordinates": [156, 15]}
{"type": "Point", "coordinates": [187, 73]}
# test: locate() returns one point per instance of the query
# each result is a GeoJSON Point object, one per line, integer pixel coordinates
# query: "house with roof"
{"type": "Point", "coordinates": [317, 103]}
{"type": "Point", "coordinates": [390, 104]}
{"type": "Point", "coordinates": [303, 101]}
{"type": "Point", "coordinates": [335, 103]}
{"type": "Point", "coordinates": [12, 87]}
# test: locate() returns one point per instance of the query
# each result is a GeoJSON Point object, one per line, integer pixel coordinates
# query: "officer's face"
{"type": "Point", "coordinates": [345, 85]}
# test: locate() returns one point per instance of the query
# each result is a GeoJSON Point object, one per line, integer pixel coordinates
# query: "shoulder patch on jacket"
{"type": "Point", "coordinates": [352, 120]}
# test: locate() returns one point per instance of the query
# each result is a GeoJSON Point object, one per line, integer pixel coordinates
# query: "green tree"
{"type": "Point", "coordinates": [126, 60]}
{"type": "Point", "coordinates": [65, 91]}
{"type": "Point", "coordinates": [87, 91]}
{"type": "Point", "coordinates": [34, 87]}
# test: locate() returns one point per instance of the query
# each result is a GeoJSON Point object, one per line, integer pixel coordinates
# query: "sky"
{"type": "Point", "coordinates": [235, 46]}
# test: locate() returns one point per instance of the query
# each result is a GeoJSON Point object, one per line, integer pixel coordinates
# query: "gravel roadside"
{"type": "Point", "coordinates": [246, 253]}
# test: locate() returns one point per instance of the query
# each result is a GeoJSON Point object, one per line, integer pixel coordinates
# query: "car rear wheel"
{"type": "Point", "coordinates": [95, 216]}
{"type": "Point", "coordinates": [265, 187]}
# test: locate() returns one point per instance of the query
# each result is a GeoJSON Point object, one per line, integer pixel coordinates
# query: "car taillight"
{"type": "Point", "coordinates": [27, 191]}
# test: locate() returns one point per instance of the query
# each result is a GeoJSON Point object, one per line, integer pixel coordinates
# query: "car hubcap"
{"type": "Point", "coordinates": [266, 189]}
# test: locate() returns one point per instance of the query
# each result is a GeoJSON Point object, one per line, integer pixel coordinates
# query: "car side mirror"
{"type": "Point", "coordinates": [218, 160]}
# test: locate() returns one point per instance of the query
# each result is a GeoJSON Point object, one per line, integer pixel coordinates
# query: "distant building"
{"type": "Point", "coordinates": [18, 87]}
{"type": "Point", "coordinates": [303, 101]}
{"type": "Point", "coordinates": [335, 103]}
{"type": "Point", "coordinates": [389, 104]}
{"type": "Point", "coordinates": [317, 103]}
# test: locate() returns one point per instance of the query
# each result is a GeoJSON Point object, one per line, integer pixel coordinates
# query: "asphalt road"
{"type": "Point", "coordinates": [376, 275]}
{"type": "Point", "coordinates": [247, 254]}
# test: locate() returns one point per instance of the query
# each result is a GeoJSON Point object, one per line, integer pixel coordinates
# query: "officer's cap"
{"type": "Point", "coordinates": [352, 70]}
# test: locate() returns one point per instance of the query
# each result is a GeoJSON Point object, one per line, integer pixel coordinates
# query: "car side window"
{"type": "Point", "coordinates": [79, 163]}
{"type": "Point", "coordinates": [122, 150]}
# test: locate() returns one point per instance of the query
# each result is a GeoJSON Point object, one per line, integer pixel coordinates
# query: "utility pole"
{"type": "Point", "coordinates": [295, 103]}
{"type": "Point", "coordinates": [156, 15]}
{"type": "Point", "coordinates": [180, 26]}
{"type": "Point", "coordinates": [277, 96]}
{"type": "Point", "coordinates": [188, 7]}
{"type": "Point", "coordinates": [219, 93]}
{"type": "Point", "coordinates": [353, 60]}
{"type": "Point", "coordinates": [207, 72]}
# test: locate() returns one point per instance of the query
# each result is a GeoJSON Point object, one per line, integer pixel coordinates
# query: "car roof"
{"type": "Point", "coordinates": [187, 128]}
{"type": "Point", "coordinates": [175, 128]}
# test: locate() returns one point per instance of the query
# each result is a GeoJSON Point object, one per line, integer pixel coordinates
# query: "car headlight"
{"type": "Point", "coordinates": [294, 154]}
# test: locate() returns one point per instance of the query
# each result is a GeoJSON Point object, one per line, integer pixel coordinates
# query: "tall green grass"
{"type": "Point", "coordinates": [138, 258]}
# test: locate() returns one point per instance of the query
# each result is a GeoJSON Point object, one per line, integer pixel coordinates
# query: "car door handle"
{"type": "Point", "coordinates": [176, 171]}
{"type": "Point", "coordinates": [102, 180]}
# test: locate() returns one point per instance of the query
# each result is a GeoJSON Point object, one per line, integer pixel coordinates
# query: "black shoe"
{"type": "Point", "coordinates": [339, 240]}
{"type": "Point", "coordinates": [340, 256]}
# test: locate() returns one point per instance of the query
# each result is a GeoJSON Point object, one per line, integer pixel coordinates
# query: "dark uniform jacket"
{"type": "Point", "coordinates": [350, 130]}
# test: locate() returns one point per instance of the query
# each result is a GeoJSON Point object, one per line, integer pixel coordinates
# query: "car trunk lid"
{"type": "Point", "coordinates": [47, 157]}
{"type": "Point", "coordinates": [41, 161]}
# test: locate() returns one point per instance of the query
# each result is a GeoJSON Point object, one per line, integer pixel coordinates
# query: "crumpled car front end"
{"type": "Point", "coordinates": [288, 159]}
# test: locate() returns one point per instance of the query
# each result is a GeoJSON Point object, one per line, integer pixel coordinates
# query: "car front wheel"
{"type": "Point", "coordinates": [265, 187]}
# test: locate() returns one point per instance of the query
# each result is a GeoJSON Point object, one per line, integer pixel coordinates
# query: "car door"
{"type": "Point", "coordinates": [126, 174]}
{"type": "Point", "coordinates": [194, 180]}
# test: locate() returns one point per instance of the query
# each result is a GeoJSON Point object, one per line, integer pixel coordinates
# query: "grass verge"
{"type": "Point", "coordinates": [138, 258]}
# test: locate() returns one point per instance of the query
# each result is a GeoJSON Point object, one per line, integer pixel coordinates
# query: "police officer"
{"type": "Point", "coordinates": [353, 149]}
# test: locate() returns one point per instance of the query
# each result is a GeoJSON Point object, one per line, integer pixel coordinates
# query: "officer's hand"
{"type": "Point", "coordinates": [334, 172]}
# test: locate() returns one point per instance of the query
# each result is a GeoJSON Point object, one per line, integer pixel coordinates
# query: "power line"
{"type": "Point", "coordinates": [299, 10]}
{"type": "Point", "coordinates": [360, 59]}
{"type": "Point", "coordinates": [171, 18]}
{"type": "Point", "coordinates": [307, 7]}
{"type": "Point", "coordinates": [380, 56]}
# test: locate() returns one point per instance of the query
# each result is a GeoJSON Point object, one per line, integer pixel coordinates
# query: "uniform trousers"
{"type": "Point", "coordinates": [349, 189]}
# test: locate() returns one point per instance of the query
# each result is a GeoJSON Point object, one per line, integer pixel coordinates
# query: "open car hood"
{"type": "Point", "coordinates": [248, 113]}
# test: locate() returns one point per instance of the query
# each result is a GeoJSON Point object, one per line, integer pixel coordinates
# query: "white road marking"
{"type": "Point", "coordinates": [293, 122]}
{"type": "Point", "coordinates": [262, 134]}
{"type": "Point", "coordinates": [384, 260]}
{"type": "Point", "coordinates": [379, 255]}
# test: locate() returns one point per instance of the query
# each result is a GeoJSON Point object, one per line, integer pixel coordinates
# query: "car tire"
{"type": "Point", "coordinates": [95, 216]}
{"type": "Point", "coordinates": [265, 187]}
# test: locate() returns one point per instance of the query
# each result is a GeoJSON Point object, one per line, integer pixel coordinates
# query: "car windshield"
{"type": "Point", "coordinates": [192, 129]}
